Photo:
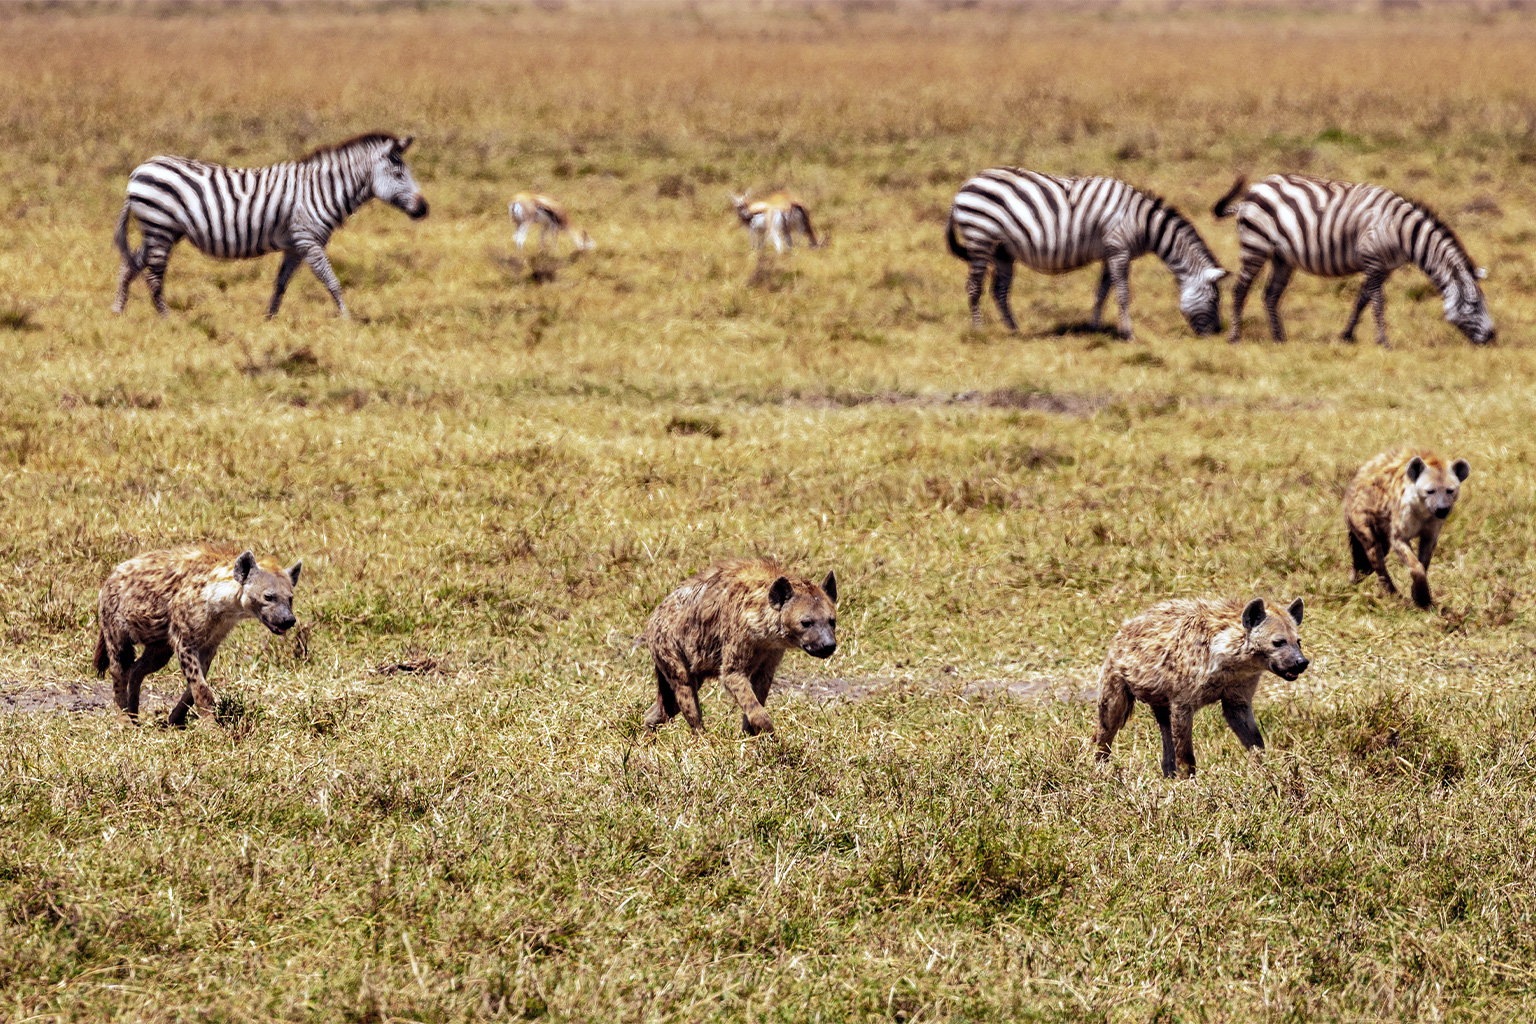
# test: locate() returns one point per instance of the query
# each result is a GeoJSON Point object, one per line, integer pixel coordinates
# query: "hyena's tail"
{"type": "Point", "coordinates": [1225, 207]}
{"type": "Point", "coordinates": [102, 661]}
{"type": "Point", "coordinates": [952, 236]}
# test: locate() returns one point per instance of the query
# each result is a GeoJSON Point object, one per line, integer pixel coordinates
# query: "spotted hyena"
{"type": "Point", "coordinates": [734, 621]}
{"type": "Point", "coordinates": [1182, 655]}
{"type": "Point", "coordinates": [184, 602]}
{"type": "Point", "coordinates": [1401, 496]}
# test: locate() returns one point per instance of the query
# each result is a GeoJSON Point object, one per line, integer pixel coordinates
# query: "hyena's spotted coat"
{"type": "Point", "coordinates": [1181, 655]}
{"type": "Point", "coordinates": [734, 621]}
{"type": "Point", "coordinates": [1401, 496]}
{"type": "Point", "coordinates": [184, 602]}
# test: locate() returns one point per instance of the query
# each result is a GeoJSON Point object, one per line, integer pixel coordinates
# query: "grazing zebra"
{"type": "Point", "coordinates": [528, 209]}
{"type": "Point", "coordinates": [239, 213]}
{"type": "Point", "coordinates": [1334, 229]}
{"type": "Point", "coordinates": [1054, 225]}
{"type": "Point", "coordinates": [777, 217]}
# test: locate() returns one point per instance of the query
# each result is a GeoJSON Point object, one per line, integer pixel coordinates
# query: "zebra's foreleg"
{"type": "Point", "coordinates": [291, 261]}
{"type": "Point", "coordinates": [1119, 267]}
{"type": "Point", "coordinates": [1245, 274]}
{"type": "Point", "coordinates": [1279, 277]}
{"type": "Point", "coordinates": [1002, 281]}
{"type": "Point", "coordinates": [973, 284]}
{"type": "Point", "coordinates": [1099, 296]}
{"type": "Point", "coordinates": [315, 256]}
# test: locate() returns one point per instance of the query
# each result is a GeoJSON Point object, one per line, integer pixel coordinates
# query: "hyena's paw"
{"type": "Point", "coordinates": [1421, 596]}
{"type": "Point", "coordinates": [756, 722]}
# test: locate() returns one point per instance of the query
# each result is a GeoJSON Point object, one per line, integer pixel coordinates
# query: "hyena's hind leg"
{"type": "Point", "coordinates": [1362, 562]}
{"type": "Point", "coordinates": [153, 659]}
{"type": "Point", "coordinates": [1115, 704]}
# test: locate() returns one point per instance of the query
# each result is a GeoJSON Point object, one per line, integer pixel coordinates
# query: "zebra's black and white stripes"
{"type": "Point", "coordinates": [1053, 225]}
{"type": "Point", "coordinates": [239, 213]}
{"type": "Point", "coordinates": [1334, 229]}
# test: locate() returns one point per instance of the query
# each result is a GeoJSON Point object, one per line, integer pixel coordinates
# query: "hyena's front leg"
{"type": "Point", "coordinates": [754, 717]}
{"type": "Point", "coordinates": [1115, 704]}
{"type": "Point", "coordinates": [1182, 725]}
{"type": "Point", "coordinates": [666, 707]}
{"type": "Point", "coordinates": [1418, 572]}
{"type": "Point", "coordinates": [1239, 716]}
{"type": "Point", "coordinates": [1164, 717]}
{"type": "Point", "coordinates": [195, 669]}
{"type": "Point", "coordinates": [762, 682]}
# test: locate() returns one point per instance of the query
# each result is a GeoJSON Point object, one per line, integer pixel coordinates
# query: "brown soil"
{"type": "Point", "coordinates": [71, 695]}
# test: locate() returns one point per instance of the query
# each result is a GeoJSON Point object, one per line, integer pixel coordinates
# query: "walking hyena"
{"type": "Point", "coordinates": [184, 602]}
{"type": "Point", "coordinates": [1182, 655]}
{"type": "Point", "coordinates": [1398, 497]}
{"type": "Point", "coordinates": [734, 621]}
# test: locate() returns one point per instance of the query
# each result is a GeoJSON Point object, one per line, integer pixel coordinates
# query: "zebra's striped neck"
{"type": "Point", "coordinates": [1435, 249]}
{"type": "Point", "coordinates": [1175, 240]}
{"type": "Point", "coordinates": [347, 170]}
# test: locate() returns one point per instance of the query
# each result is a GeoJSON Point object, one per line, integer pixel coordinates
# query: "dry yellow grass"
{"type": "Point", "coordinates": [492, 480]}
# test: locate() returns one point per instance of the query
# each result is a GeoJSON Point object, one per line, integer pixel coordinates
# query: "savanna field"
{"type": "Point", "coordinates": [432, 801]}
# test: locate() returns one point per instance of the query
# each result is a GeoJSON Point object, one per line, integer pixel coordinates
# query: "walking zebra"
{"type": "Point", "coordinates": [1334, 229]}
{"type": "Point", "coordinates": [1054, 225]}
{"type": "Point", "coordinates": [239, 213]}
{"type": "Point", "coordinates": [528, 209]}
{"type": "Point", "coordinates": [777, 218]}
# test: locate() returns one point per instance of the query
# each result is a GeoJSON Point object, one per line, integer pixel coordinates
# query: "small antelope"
{"type": "Point", "coordinates": [777, 218]}
{"type": "Point", "coordinates": [528, 209]}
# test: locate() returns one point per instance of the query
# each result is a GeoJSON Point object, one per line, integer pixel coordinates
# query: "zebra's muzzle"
{"type": "Point", "coordinates": [419, 209]}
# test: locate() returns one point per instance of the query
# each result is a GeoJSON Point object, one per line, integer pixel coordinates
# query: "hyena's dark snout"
{"type": "Point", "coordinates": [821, 650]}
{"type": "Point", "coordinates": [1292, 668]}
{"type": "Point", "coordinates": [280, 622]}
{"type": "Point", "coordinates": [1441, 513]}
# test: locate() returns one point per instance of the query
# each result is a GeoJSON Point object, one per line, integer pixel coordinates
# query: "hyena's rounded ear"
{"type": "Point", "coordinates": [830, 586]}
{"type": "Point", "coordinates": [780, 593]}
{"type": "Point", "coordinates": [1254, 614]}
{"type": "Point", "coordinates": [1461, 468]}
{"type": "Point", "coordinates": [1294, 611]}
{"type": "Point", "coordinates": [292, 572]}
{"type": "Point", "coordinates": [1415, 467]}
{"type": "Point", "coordinates": [243, 566]}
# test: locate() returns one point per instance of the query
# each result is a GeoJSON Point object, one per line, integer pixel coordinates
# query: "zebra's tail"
{"type": "Point", "coordinates": [1225, 207]}
{"type": "Point", "coordinates": [120, 237]}
{"type": "Point", "coordinates": [952, 236]}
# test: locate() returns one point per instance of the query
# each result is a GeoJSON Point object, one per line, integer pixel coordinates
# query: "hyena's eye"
{"type": "Point", "coordinates": [807, 623]}
{"type": "Point", "coordinates": [1280, 642]}
{"type": "Point", "coordinates": [269, 596]}
{"type": "Point", "coordinates": [831, 623]}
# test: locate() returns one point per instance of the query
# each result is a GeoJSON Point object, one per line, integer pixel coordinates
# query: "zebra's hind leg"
{"type": "Point", "coordinates": [1279, 277]}
{"type": "Point", "coordinates": [1246, 273]}
{"type": "Point", "coordinates": [1002, 281]}
{"type": "Point", "coordinates": [1098, 298]}
{"type": "Point", "coordinates": [133, 266]}
{"type": "Point", "coordinates": [973, 283]}
{"type": "Point", "coordinates": [1379, 308]}
{"type": "Point", "coordinates": [155, 262]}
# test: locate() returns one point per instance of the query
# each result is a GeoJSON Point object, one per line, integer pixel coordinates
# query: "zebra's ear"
{"type": "Point", "coordinates": [405, 143]}
{"type": "Point", "coordinates": [1481, 273]}
{"type": "Point", "coordinates": [1214, 274]}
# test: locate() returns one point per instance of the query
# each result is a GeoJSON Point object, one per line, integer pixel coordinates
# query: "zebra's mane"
{"type": "Point", "coordinates": [1441, 226]}
{"type": "Point", "coordinates": [1181, 223]}
{"type": "Point", "coordinates": [355, 142]}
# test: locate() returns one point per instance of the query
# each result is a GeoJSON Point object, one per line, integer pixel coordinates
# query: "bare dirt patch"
{"type": "Point", "coordinates": [70, 695]}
